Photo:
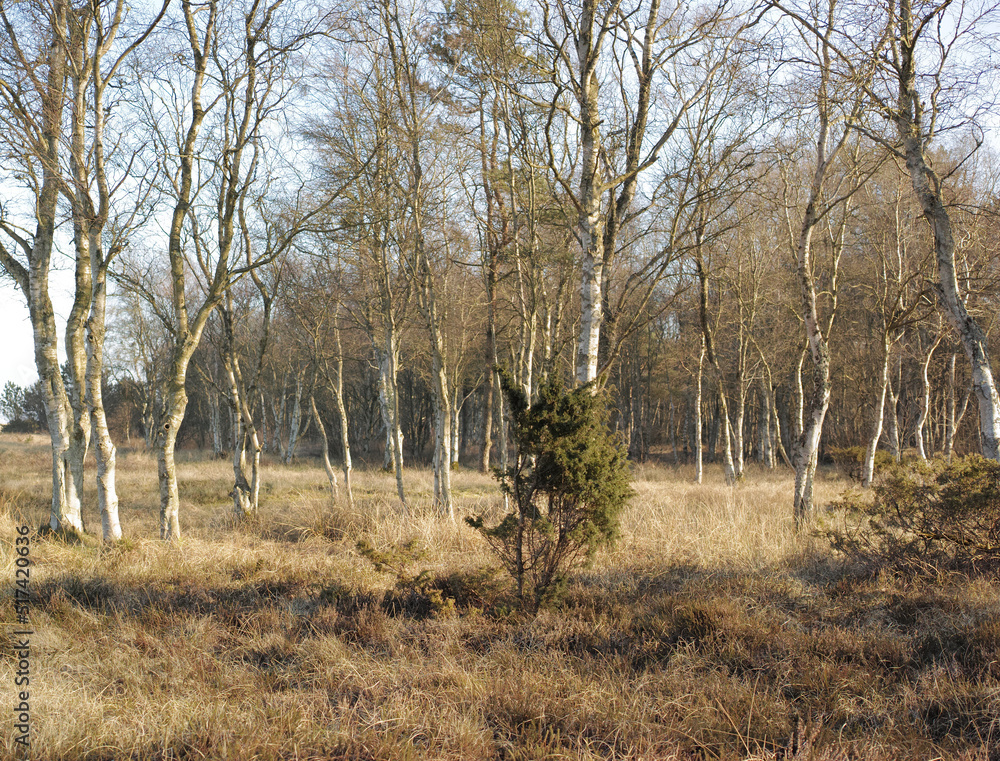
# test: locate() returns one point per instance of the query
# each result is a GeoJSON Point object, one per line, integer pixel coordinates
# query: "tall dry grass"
{"type": "Point", "coordinates": [713, 630]}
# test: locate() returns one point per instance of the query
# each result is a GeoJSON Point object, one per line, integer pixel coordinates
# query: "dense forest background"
{"type": "Point", "coordinates": [302, 228]}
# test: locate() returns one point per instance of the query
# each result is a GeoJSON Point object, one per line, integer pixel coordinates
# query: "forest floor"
{"type": "Point", "coordinates": [711, 631]}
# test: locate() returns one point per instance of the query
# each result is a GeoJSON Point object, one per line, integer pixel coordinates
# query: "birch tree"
{"type": "Point", "coordinates": [33, 89]}
{"type": "Point", "coordinates": [934, 35]}
{"type": "Point", "coordinates": [837, 102]}
{"type": "Point", "coordinates": [645, 46]}
{"type": "Point", "coordinates": [56, 114]}
{"type": "Point", "coordinates": [237, 72]}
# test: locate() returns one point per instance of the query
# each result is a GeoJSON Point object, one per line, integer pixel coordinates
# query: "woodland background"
{"type": "Point", "coordinates": [295, 225]}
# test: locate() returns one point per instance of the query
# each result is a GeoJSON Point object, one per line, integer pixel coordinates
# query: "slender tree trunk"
{"type": "Point", "coordinates": [175, 401]}
{"type": "Point", "coordinates": [589, 222]}
{"type": "Point", "coordinates": [215, 423]}
{"type": "Point", "coordinates": [66, 513]}
{"type": "Point", "coordinates": [389, 405]}
{"type": "Point", "coordinates": [247, 443]}
{"type": "Point", "coordinates": [729, 468]}
{"type": "Point", "coordinates": [295, 422]}
{"type": "Point", "coordinates": [952, 417]}
{"type": "Point", "coordinates": [741, 399]}
{"type": "Point", "coordinates": [925, 399]}
{"type": "Point", "coordinates": [345, 440]}
{"type": "Point", "coordinates": [868, 467]}
{"type": "Point", "coordinates": [331, 475]}
{"type": "Point", "coordinates": [698, 447]}
{"type": "Point", "coordinates": [457, 402]}
{"type": "Point", "coordinates": [892, 420]}
{"type": "Point", "coordinates": [806, 451]}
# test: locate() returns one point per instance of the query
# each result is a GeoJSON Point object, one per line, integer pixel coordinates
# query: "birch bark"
{"type": "Point", "coordinates": [915, 133]}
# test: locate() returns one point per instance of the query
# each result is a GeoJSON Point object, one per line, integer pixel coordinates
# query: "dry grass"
{"type": "Point", "coordinates": [712, 631]}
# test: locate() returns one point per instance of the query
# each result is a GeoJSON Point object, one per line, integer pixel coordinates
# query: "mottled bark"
{"type": "Point", "coordinates": [42, 123]}
{"type": "Point", "coordinates": [910, 123]}
{"type": "Point", "coordinates": [389, 406]}
{"type": "Point", "coordinates": [104, 450]}
{"type": "Point", "coordinates": [338, 394]}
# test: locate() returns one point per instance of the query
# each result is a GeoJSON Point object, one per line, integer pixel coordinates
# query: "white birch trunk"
{"type": "Point", "coordinates": [331, 475]}
{"type": "Point", "coordinates": [925, 399]}
{"type": "Point", "coordinates": [175, 402]}
{"type": "Point", "coordinates": [927, 188]}
{"type": "Point", "coordinates": [104, 450]}
{"type": "Point", "coordinates": [589, 223]}
{"type": "Point", "coordinates": [389, 405]}
{"type": "Point", "coordinates": [868, 467]}
{"type": "Point", "coordinates": [295, 422]}
{"type": "Point", "coordinates": [456, 422]}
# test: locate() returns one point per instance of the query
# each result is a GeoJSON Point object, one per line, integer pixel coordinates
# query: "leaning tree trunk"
{"type": "Point", "coordinates": [331, 474]}
{"type": "Point", "coordinates": [927, 188]}
{"type": "Point", "coordinates": [806, 450]}
{"type": "Point", "coordinates": [175, 404]}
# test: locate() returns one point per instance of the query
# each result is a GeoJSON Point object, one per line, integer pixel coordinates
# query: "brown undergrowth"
{"type": "Point", "coordinates": [711, 632]}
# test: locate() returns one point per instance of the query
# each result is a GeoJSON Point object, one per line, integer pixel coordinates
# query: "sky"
{"type": "Point", "coordinates": [17, 348]}
{"type": "Point", "coordinates": [17, 354]}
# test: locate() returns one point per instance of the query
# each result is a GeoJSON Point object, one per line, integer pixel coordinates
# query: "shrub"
{"type": "Point", "coordinates": [567, 485]}
{"type": "Point", "coordinates": [851, 460]}
{"type": "Point", "coordinates": [934, 515]}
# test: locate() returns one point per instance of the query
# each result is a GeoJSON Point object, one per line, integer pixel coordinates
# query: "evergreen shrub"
{"type": "Point", "coordinates": [567, 485]}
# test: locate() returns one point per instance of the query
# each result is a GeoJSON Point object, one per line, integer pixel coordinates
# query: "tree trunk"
{"type": "Point", "coordinates": [953, 413]}
{"type": "Point", "coordinates": [345, 439]}
{"type": "Point", "coordinates": [295, 422]}
{"type": "Point", "coordinates": [741, 406]}
{"type": "Point", "coordinates": [331, 475]}
{"type": "Point", "coordinates": [175, 403]}
{"type": "Point", "coordinates": [925, 399]}
{"type": "Point", "coordinates": [698, 447]}
{"type": "Point", "coordinates": [927, 188]}
{"type": "Point", "coordinates": [389, 405]}
{"type": "Point", "coordinates": [246, 475]}
{"type": "Point", "coordinates": [104, 451]}
{"type": "Point", "coordinates": [892, 419]}
{"type": "Point", "coordinates": [868, 467]}
{"type": "Point", "coordinates": [589, 221]}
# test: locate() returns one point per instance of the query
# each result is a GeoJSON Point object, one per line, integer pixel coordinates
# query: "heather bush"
{"type": "Point", "coordinates": [851, 461]}
{"type": "Point", "coordinates": [936, 516]}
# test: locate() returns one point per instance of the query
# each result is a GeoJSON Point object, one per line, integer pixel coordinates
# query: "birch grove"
{"type": "Point", "coordinates": [290, 233]}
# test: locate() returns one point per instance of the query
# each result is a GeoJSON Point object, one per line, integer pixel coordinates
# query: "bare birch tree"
{"type": "Point", "coordinates": [935, 34]}
{"type": "Point", "coordinates": [237, 72]}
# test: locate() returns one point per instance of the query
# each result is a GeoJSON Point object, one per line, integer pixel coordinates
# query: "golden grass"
{"type": "Point", "coordinates": [713, 630]}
